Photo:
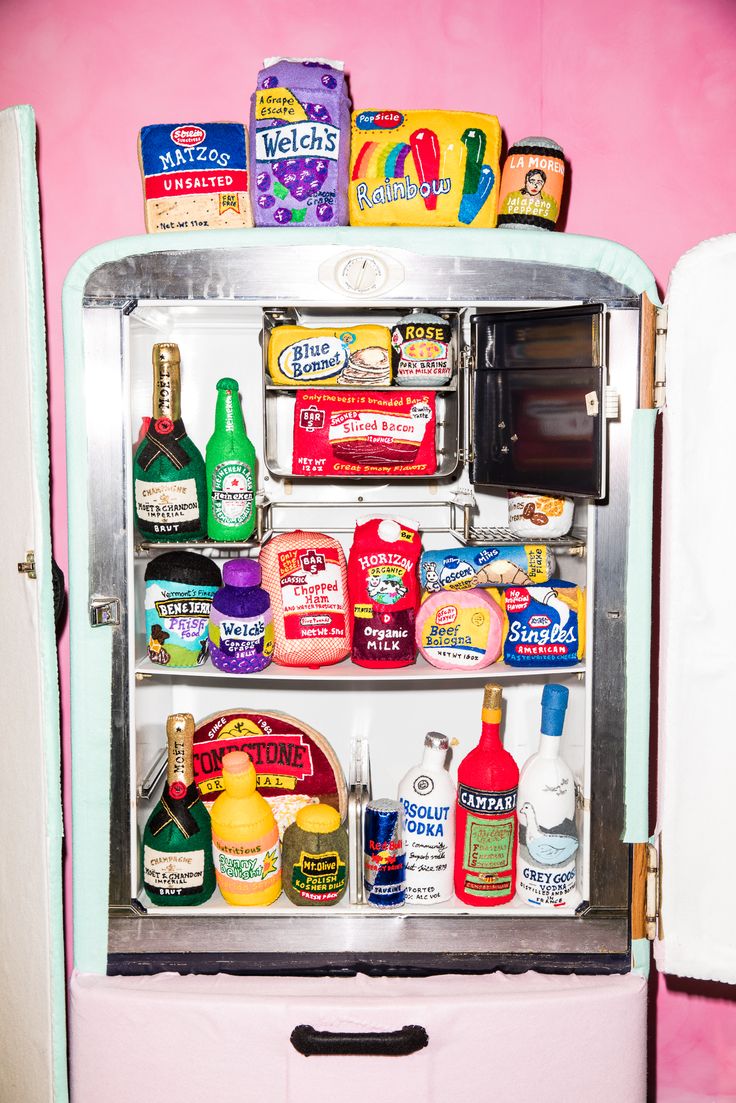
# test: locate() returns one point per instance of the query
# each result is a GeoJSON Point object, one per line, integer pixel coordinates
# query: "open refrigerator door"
{"type": "Point", "coordinates": [697, 753]}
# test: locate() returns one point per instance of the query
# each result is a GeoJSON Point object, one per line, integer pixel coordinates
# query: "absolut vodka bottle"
{"type": "Point", "coordinates": [548, 839]}
{"type": "Point", "coordinates": [427, 795]}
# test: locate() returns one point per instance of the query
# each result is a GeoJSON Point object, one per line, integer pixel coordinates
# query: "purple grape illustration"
{"type": "Point", "coordinates": [263, 181]}
{"type": "Point", "coordinates": [282, 216]}
{"type": "Point", "coordinates": [300, 192]}
{"type": "Point", "coordinates": [324, 212]}
{"type": "Point", "coordinates": [266, 201]}
{"type": "Point", "coordinates": [270, 82]}
{"type": "Point", "coordinates": [328, 81]}
{"type": "Point", "coordinates": [317, 113]}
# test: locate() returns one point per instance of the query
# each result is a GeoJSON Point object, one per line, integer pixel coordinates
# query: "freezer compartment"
{"type": "Point", "coordinates": [525, 1038]}
{"type": "Point", "coordinates": [539, 400]}
{"type": "Point", "coordinates": [280, 402]}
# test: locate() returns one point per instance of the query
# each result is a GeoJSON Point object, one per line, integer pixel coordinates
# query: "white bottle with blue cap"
{"type": "Point", "coordinates": [548, 837]}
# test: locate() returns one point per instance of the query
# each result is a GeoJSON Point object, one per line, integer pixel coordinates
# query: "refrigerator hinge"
{"type": "Point", "coordinates": [104, 611]}
{"type": "Point", "coordinates": [653, 894]}
{"type": "Point", "coordinates": [29, 565]}
{"type": "Point", "coordinates": [660, 368]}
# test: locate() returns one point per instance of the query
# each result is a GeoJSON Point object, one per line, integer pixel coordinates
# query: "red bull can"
{"type": "Point", "coordinates": [384, 860]}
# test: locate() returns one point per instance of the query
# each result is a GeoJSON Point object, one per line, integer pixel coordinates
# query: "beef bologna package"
{"type": "Point", "coordinates": [300, 143]}
{"type": "Point", "coordinates": [305, 575]}
{"type": "Point", "coordinates": [384, 591]}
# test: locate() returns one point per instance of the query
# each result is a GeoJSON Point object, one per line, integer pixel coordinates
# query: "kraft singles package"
{"type": "Point", "coordinates": [195, 176]}
{"type": "Point", "coordinates": [545, 625]}
{"type": "Point", "coordinates": [300, 143]}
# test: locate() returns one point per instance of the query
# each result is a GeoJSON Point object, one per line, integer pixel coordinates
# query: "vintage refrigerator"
{"type": "Point", "coordinates": [444, 1001]}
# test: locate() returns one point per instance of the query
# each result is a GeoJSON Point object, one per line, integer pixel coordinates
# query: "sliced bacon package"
{"type": "Point", "coordinates": [364, 433]}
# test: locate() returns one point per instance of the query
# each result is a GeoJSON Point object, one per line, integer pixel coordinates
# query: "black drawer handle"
{"type": "Point", "coordinates": [380, 1043]}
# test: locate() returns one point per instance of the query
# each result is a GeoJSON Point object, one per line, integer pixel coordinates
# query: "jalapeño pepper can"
{"type": "Point", "coordinates": [384, 860]}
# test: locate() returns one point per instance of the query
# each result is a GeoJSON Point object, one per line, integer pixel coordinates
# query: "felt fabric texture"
{"type": "Point", "coordinates": [697, 751]}
{"type": "Point", "coordinates": [638, 626]}
{"type": "Point", "coordinates": [33, 1026]}
{"type": "Point", "coordinates": [532, 1036]}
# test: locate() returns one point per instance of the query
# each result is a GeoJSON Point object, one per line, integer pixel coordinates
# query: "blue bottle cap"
{"type": "Point", "coordinates": [554, 704]}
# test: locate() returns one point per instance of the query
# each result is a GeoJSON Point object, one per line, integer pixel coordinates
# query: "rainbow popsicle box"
{"type": "Point", "coordinates": [424, 168]}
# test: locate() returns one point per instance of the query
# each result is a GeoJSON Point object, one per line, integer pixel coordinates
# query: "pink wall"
{"type": "Point", "coordinates": [641, 96]}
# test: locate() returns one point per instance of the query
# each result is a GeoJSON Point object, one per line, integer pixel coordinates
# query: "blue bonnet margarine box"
{"type": "Point", "coordinates": [195, 176]}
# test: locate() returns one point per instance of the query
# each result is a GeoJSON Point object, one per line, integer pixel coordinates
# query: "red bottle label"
{"type": "Point", "coordinates": [488, 825]}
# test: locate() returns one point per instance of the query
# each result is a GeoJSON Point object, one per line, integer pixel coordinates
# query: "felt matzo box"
{"type": "Point", "coordinates": [195, 176]}
{"type": "Point", "coordinates": [424, 168]}
{"type": "Point", "coordinates": [300, 143]}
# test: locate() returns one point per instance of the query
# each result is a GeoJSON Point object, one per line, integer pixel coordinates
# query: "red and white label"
{"type": "Point", "coordinates": [188, 135]}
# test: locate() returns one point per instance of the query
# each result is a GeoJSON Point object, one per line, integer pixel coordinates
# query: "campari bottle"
{"type": "Point", "coordinates": [168, 469]}
{"type": "Point", "coordinates": [548, 838]}
{"type": "Point", "coordinates": [230, 461]}
{"type": "Point", "coordinates": [486, 825]}
{"type": "Point", "coordinates": [176, 856]}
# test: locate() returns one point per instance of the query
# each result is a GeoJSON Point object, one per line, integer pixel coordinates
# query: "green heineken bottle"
{"type": "Point", "coordinates": [176, 856]}
{"type": "Point", "coordinates": [168, 469]}
{"type": "Point", "coordinates": [231, 470]}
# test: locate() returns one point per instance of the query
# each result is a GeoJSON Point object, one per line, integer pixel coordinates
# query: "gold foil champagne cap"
{"type": "Point", "coordinates": [180, 736]}
{"type": "Point", "coordinates": [166, 387]}
{"type": "Point", "coordinates": [166, 353]}
{"type": "Point", "coordinates": [492, 696]}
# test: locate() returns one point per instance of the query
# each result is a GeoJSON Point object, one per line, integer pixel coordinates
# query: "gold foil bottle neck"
{"type": "Point", "coordinates": [180, 737]}
{"type": "Point", "coordinates": [166, 381]}
{"type": "Point", "coordinates": [492, 694]}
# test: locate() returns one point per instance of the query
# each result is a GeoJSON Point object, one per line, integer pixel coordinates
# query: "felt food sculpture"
{"type": "Point", "coordinates": [300, 143]}
{"type": "Point", "coordinates": [359, 356]}
{"type": "Point", "coordinates": [195, 176]}
{"type": "Point", "coordinates": [545, 625]}
{"type": "Point", "coordinates": [461, 630]}
{"type": "Point", "coordinates": [306, 577]}
{"type": "Point", "coordinates": [364, 433]}
{"type": "Point", "coordinates": [466, 568]}
{"type": "Point", "coordinates": [295, 765]}
{"type": "Point", "coordinates": [424, 168]}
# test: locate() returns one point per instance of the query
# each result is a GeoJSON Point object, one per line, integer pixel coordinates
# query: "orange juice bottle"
{"type": "Point", "coordinates": [245, 838]}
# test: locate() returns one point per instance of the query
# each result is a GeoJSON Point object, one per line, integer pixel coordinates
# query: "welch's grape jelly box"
{"type": "Point", "coordinates": [195, 176]}
{"type": "Point", "coordinates": [300, 143]}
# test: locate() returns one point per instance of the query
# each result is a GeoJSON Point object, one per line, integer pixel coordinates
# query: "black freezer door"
{"type": "Point", "coordinates": [538, 402]}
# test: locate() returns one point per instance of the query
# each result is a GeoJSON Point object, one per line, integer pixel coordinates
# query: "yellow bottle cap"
{"type": "Point", "coordinates": [236, 762]}
{"type": "Point", "coordinates": [320, 819]}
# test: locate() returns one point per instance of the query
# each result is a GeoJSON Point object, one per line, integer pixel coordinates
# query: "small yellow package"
{"type": "Point", "coordinates": [358, 356]}
{"type": "Point", "coordinates": [424, 168]}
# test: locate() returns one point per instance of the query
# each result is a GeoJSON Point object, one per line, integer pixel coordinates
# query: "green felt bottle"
{"type": "Point", "coordinates": [168, 470]}
{"type": "Point", "coordinates": [176, 855]}
{"type": "Point", "coordinates": [231, 470]}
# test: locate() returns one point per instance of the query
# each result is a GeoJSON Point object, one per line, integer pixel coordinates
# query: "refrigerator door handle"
{"type": "Point", "coordinates": [341, 1043]}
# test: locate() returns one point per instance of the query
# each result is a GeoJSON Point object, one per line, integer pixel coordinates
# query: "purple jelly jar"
{"type": "Point", "coordinates": [241, 626]}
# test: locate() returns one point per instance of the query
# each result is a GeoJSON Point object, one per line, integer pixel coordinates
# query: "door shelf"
{"type": "Point", "coordinates": [347, 671]}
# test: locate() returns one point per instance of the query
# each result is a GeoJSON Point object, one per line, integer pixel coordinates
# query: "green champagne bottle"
{"type": "Point", "coordinates": [176, 856]}
{"type": "Point", "coordinates": [231, 470]}
{"type": "Point", "coordinates": [168, 470]}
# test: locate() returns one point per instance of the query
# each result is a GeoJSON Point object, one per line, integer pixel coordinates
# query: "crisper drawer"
{"type": "Point", "coordinates": [526, 1037]}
